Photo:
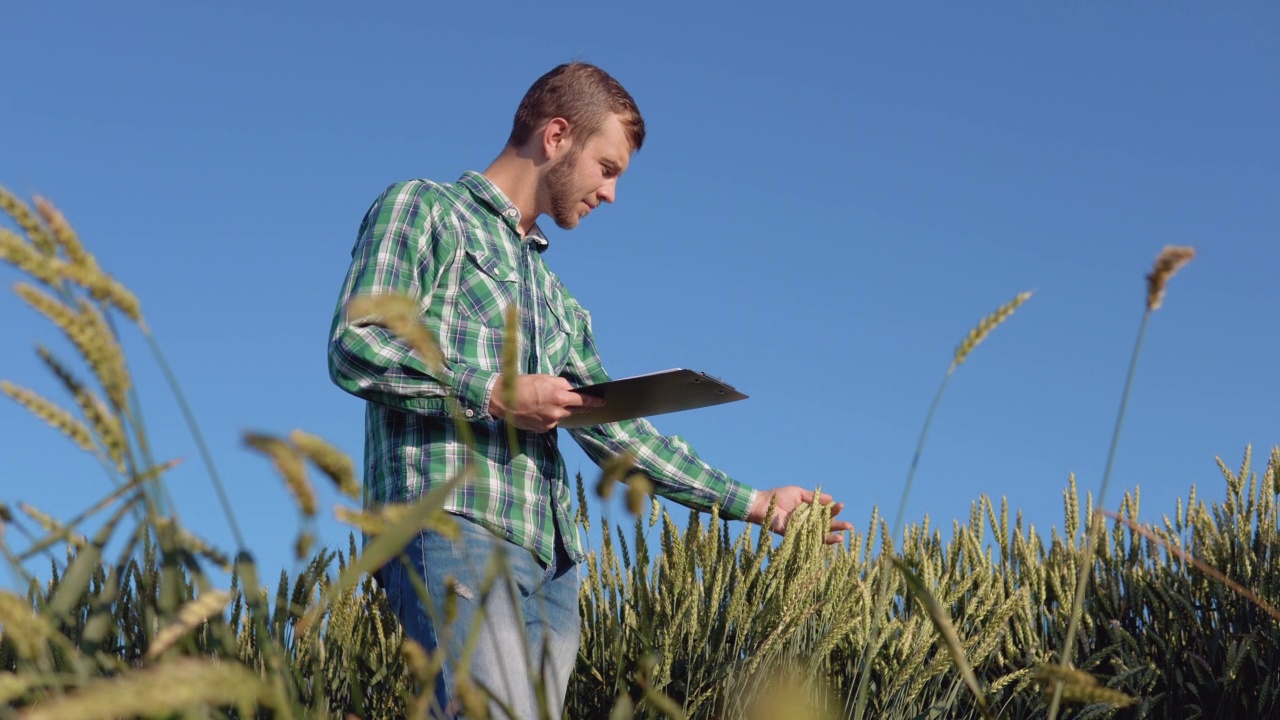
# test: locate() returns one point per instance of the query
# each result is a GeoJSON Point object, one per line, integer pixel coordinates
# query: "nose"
{"type": "Point", "coordinates": [608, 192]}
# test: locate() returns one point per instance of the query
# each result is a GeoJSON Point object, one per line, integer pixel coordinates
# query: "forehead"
{"type": "Point", "coordinates": [610, 143]}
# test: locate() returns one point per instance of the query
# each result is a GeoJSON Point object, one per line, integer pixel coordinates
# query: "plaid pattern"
{"type": "Point", "coordinates": [456, 248]}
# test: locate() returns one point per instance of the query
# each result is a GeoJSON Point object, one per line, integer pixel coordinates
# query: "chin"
{"type": "Point", "coordinates": [568, 222]}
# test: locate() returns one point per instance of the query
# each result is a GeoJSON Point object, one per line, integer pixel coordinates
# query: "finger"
{"type": "Point", "coordinates": [835, 509]}
{"type": "Point", "coordinates": [841, 526]}
{"type": "Point", "coordinates": [834, 538]}
{"type": "Point", "coordinates": [576, 400]}
{"type": "Point", "coordinates": [825, 499]}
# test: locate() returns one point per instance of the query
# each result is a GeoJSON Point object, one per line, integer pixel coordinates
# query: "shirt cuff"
{"type": "Point", "coordinates": [475, 389]}
{"type": "Point", "coordinates": [737, 500]}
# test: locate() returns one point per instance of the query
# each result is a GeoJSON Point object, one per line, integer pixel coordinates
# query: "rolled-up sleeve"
{"type": "Point", "coordinates": [674, 467]}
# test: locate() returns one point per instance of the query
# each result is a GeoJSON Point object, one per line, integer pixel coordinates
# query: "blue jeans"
{"type": "Point", "coordinates": [535, 612]}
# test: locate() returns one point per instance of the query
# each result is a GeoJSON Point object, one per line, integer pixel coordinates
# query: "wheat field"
{"type": "Point", "coordinates": [1138, 615]}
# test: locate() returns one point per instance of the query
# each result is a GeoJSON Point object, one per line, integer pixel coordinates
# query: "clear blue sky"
{"type": "Point", "coordinates": [829, 198]}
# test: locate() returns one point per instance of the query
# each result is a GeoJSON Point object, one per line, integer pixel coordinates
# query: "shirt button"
{"type": "Point", "coordinates": [511, 213]}
{"type": "Point", "coordinates": [470, 413]}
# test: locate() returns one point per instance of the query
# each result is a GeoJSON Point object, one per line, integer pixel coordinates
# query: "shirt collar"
{"type": "Point", "coordinates": [488, 194]}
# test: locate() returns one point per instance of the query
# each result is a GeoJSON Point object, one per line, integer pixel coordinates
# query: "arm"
{"type": "Point", "coordinates": [675, 469]}
{"type": "Point", "coordinates": [398, 251]}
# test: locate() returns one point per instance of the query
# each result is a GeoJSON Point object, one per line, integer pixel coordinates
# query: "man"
{"type": "Point", "coordinates": [466, 251]}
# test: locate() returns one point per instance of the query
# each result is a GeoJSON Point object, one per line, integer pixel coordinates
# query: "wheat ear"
{"type": "Point", "coordinates": [165, 689]}
{"type": "Point", "coordinates": [289, 462]}
{"type": "Point", "coordinates": [101, 419]}
{"type": "Point", "coordinates": [190, 616]}
{"type": "Point", "coordinates": [20, 254]}
{"type": "Point", "coordinates": [1077, 686]}
{"type": "Point", "coordinates": [984, 328]}
{"type": "Point", "coordinates": [18, 210]}
{"type": "Point", "coordinates": [66, 237]}
{"type": "Point", "coordinates": [52, 414]}
{"type": "Point", "coordinates": [330, 460]}
{"type": "Point", "coordinates": [399, 314]}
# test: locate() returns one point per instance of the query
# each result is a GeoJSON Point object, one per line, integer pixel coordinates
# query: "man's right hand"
{"type": "Point", "coordinates": [541, 402]}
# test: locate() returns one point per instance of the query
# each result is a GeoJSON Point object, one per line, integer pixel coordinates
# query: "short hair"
{"type": "Point", "coordinates": [582, 94]}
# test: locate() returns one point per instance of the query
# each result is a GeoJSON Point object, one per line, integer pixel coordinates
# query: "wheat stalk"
{"type": "Point", "coordinates": [511, 371]}
{"type": "Point", "coordinates": [1167, 263]}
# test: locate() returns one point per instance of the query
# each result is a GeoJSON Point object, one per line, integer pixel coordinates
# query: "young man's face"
{"type": "Point", "coordinates": [587, 174]}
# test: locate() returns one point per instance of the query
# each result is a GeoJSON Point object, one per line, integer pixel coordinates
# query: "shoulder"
{"type": "Point", "coordinates": [418, 193]}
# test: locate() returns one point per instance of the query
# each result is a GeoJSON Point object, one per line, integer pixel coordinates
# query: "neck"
{"type": "Point", "coordinates": [518, 176]}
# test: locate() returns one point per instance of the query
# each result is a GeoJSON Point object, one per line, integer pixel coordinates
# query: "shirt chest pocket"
{"type": "Point", "coordinates": [557, 335]}
{"type": "Point", "coordinates": [486, 287]}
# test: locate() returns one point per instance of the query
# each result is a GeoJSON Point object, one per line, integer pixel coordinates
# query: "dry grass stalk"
{"type": "Point", "coordinates": [289, 463]}
{"type": "Point", "coordinates": [330, 460]}
{"type": "Point", "coordinates": [399, 314]}
{"type": "Point", "coordinates": [190, 616]}
{"type": "Point", "coordinates": [1170, 261]}
{"type": "Point", "coordinates": [173, 687]}
{"type": "Point", "coordinates": [18, 210]}
{"type": "Point", "coordinates": [984, 328]}
{"type": "Point", "coordinates": [50, 413]}
{"type": "Point", "coordinates": [1200, 565]}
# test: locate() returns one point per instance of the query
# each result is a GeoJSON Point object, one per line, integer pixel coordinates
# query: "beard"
{"type": "Point", "coordinates": [564, 207]}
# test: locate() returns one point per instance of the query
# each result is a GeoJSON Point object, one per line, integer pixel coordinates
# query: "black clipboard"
{"type": "Point", "coordinates": [653, 394]}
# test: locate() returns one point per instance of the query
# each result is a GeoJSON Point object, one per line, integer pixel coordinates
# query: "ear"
{"type": "Point", "coordinates": [555, 138]}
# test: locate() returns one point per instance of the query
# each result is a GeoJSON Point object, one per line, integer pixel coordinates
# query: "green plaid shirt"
{"type": "Point", "coordinates": [457, 249]}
